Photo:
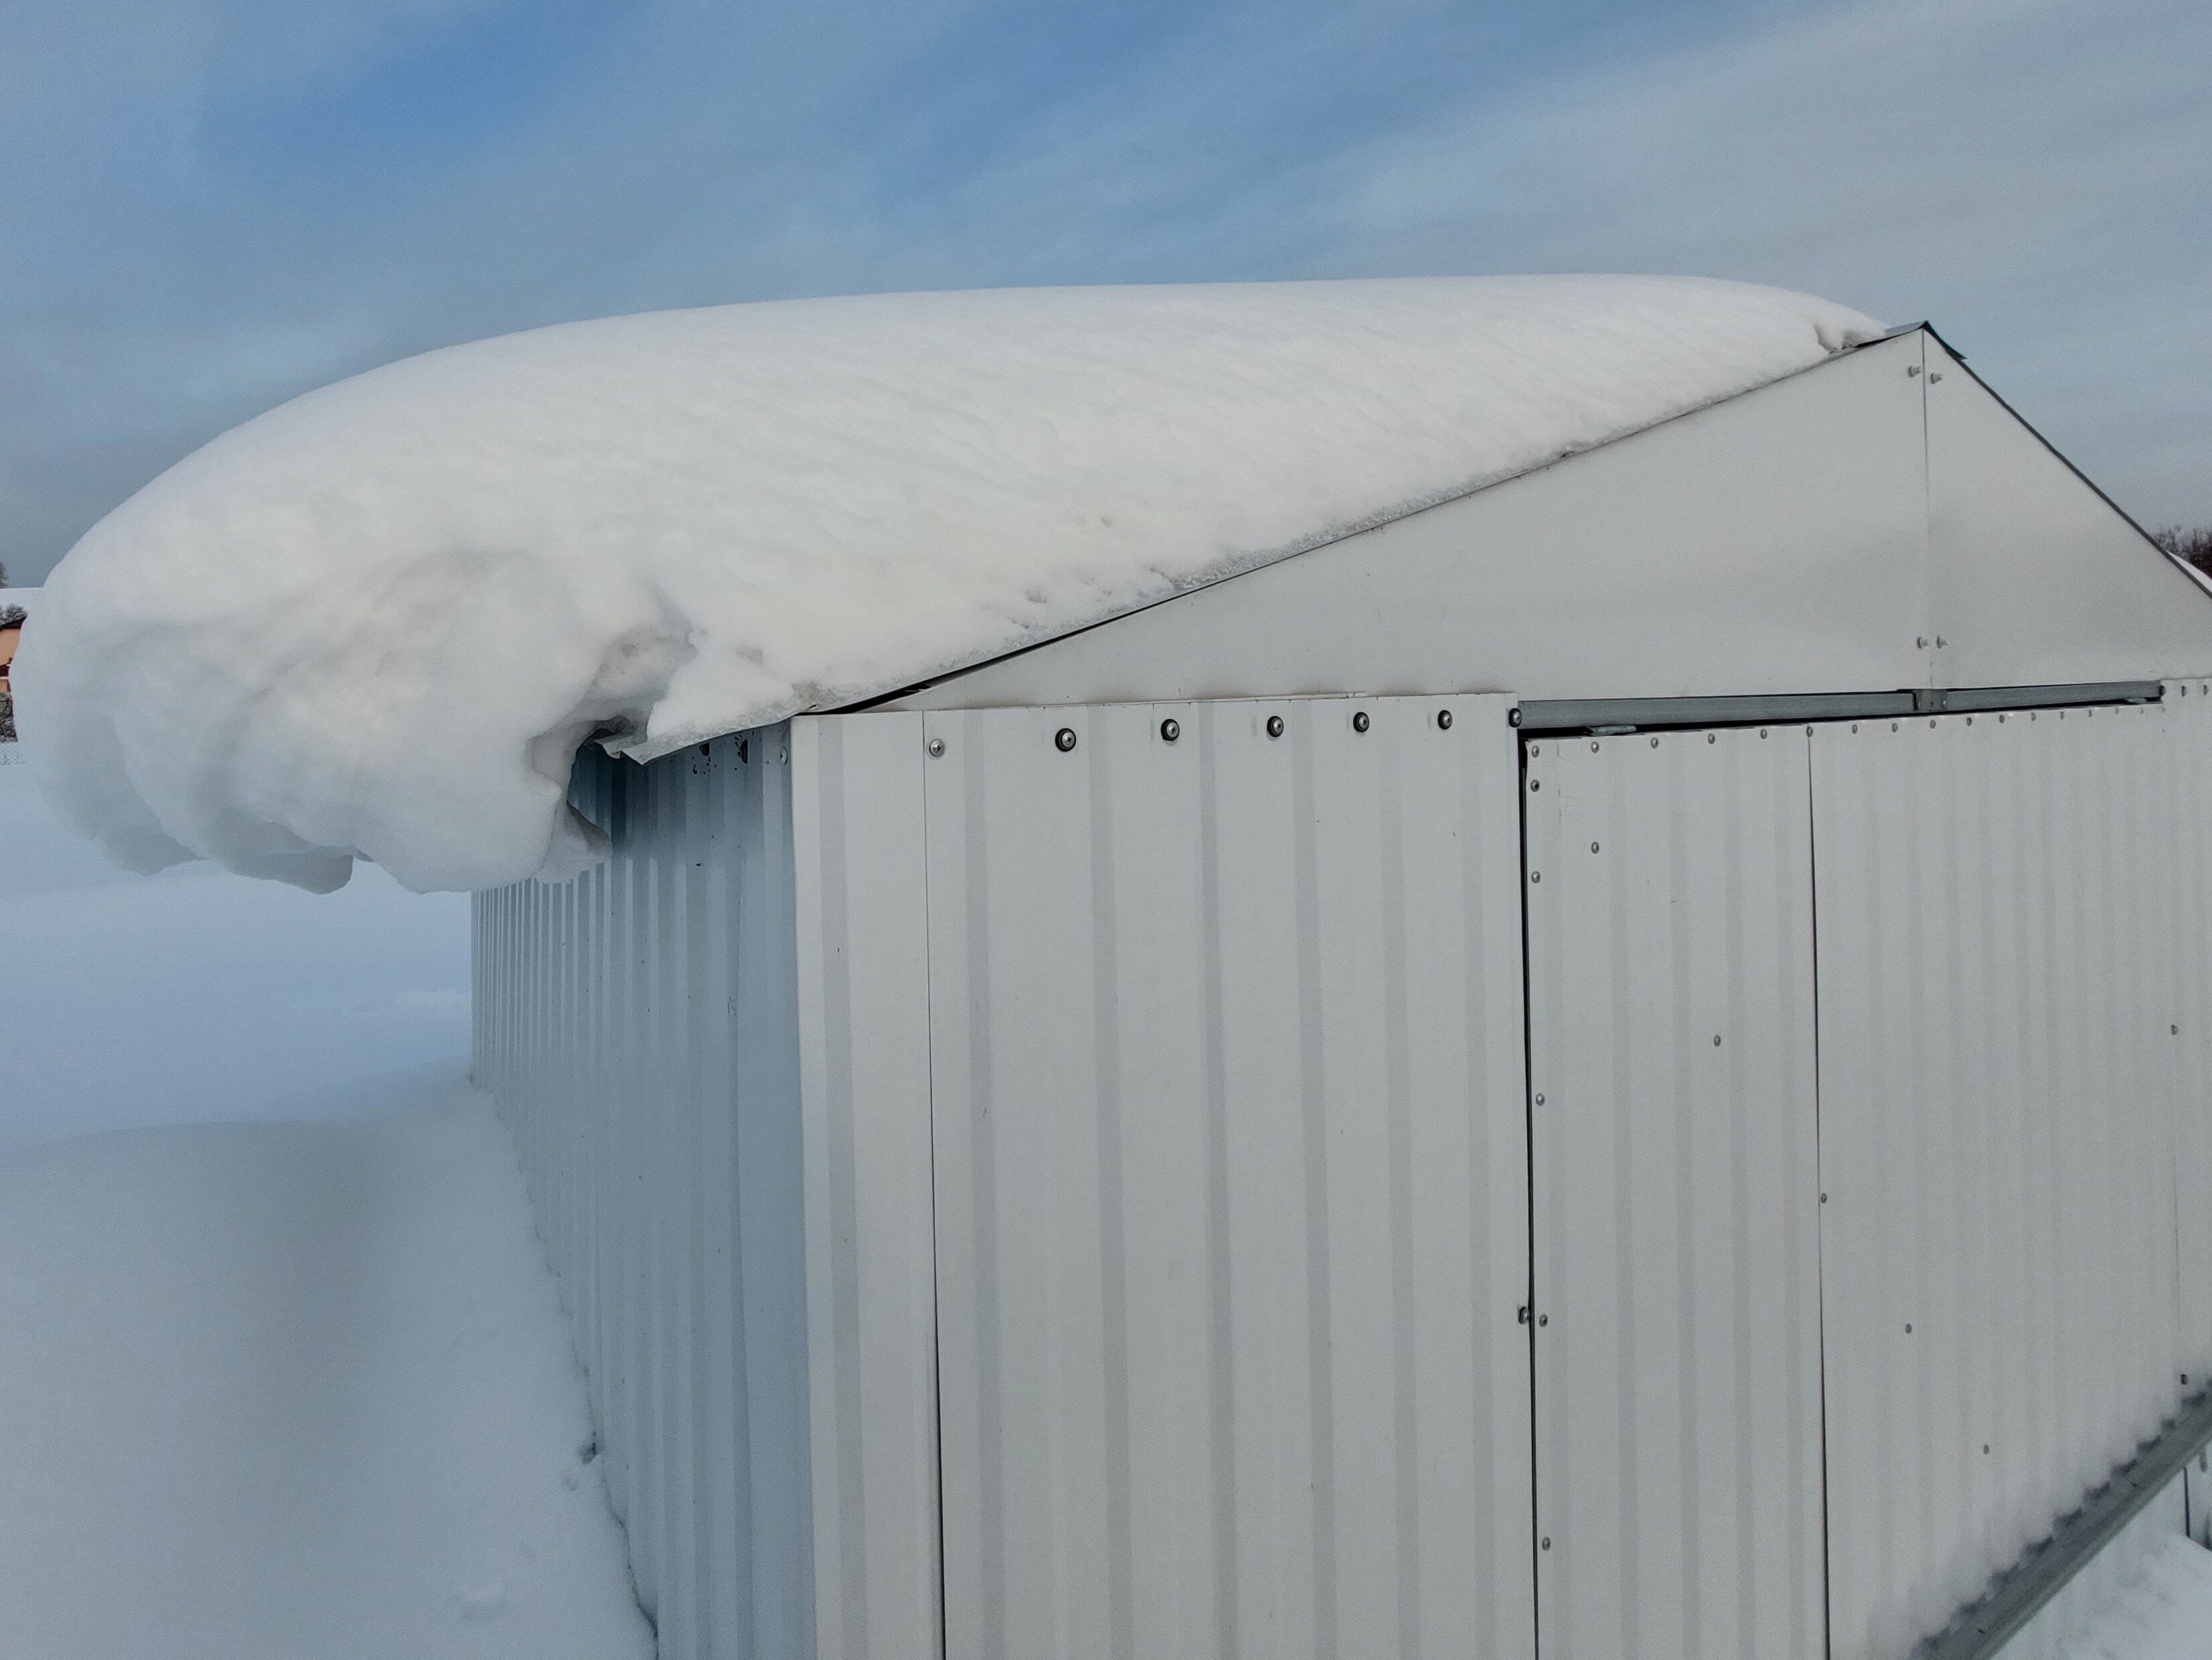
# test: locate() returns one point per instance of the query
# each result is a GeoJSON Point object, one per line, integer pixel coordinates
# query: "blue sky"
{"type": "Point", "coordinates": [208, 206]}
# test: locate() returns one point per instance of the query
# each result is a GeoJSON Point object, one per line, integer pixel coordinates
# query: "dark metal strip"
{"type": "Point", "coordinates": [1589, 714]}
{"type": "Point", "coordinates": [1980, 1629]}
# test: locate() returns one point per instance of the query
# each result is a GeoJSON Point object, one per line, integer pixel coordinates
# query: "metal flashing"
{"type": "Point", "coordinates": [1981, 1628]}
{"type": "Point", "coordinates": [1635, 713]}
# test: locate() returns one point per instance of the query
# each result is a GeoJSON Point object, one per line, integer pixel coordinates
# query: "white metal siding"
{"type": "Point", "coordinates": [863, 1022]}
{"type": "Point", "coordinates": [1232, 1182]}
{"type": "Point", "coordinates": [639, 1028]}
{"type": "Point", "coordinates": [1998, 1062]}
{"type": "Point", "coordinates": [2185, 781]}
{"type": "Point", "coordinates": [1672, 1079]}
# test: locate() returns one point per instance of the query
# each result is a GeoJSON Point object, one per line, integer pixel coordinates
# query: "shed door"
{"type": "Point", "coordinates": [1231, 1176]}
{"type": "Point", "coordinates": [1672, 1092]}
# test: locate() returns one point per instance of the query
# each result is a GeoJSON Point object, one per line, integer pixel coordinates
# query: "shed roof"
{"type": "Point", "coordinates": [378, 620]}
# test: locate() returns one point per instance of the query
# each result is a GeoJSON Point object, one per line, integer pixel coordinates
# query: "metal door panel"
{"type": "Point", "coordinates": [1672, 1077]}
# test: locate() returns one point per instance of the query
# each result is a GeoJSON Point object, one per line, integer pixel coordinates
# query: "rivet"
{"type": "Point", "coordinates": [1539, 1098]}
{"type": "Point", "coordinates": [1940, 643]}
{"type": "Point", "coordinates": [1985, 1445]}
{"type": "Point", "coordinates": [1535, 876]}
{"type": "Point", "coordinates": [2001, 719]}
{"type": "Point", "coordinates": [1543, 1319]}
{"type": "Point", "coordinates": [1512, 717]}
{"type": "Point", "coordinates": [1275, 726]}
{"type": "Point", "coordinates": [1716, 1040]}
{"type": "Point", "coordinates": [1762, 731]}
{"type": "Point", "coordinates": [1443, 720]}
{"type": "Point", "coordinates": [937, 746]}
{"type": "Point", "coordinates": [1970, 720]}
{"type": "Point", "coordinates": [1855, 725]}
{"type": "Point", "coordinates": [1921, 642]}
{"type": "Point", "coordinates": [1593, 847]}
{"type": "Point", "coordinates": [1908, 1328]}
{"type": "Point", "coordinates": [1592, 746]}
{"type": "Point", "coordinates": [1547, 1541]}
{"type": "Point", "coordinates": [1823, 1198]}
{"type": "Point", "coordinates": [1170, 730]}
{"type": "Point", "coordinates": [1654, 743]}
{"type": "Point", "coordinates": [1931, 725]}
{"type": "Point", "coordinates": [1359, 722]}
{"type": "Point", "coordinates": [1892, 725]}
{"type": "Point", "coordinates": [1524, 1314]}
{"type": "Point", "coordinates": [1535, 749]}
{"type": "Point", "coordinates": [1711, 738]}
{"type": "Point", "coordinates": [1535, 784]}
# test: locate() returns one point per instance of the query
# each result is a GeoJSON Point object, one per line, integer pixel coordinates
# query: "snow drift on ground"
{"type": "Point", "coordinates": [2164, 1613]}
{"type": "Point", "coordinates": [195, 994]}
{"type": "Point", "coordinates": [282, 1389]}
{"type": "Point", "coordinates": [377, 622]}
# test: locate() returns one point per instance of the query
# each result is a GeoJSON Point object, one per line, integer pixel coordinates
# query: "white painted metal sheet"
{"type": "Point", "coordinates": [1231, 1181]}
{"type": "Point", "coordinates": [863, 1065]}
{"type": "Point", "coordinates": [638, 1029]}
{"type": "Point", "coordinates": [1999, 1051]}
{"type": "Point", "coordinates": [1777, 542]}
{"type": "Point", "coordinates": [2056, 1632]}
{"type": "Point", "coordinates": [2036, 580]}
{"type": "Point", "coordinates": [1672, 1079]}
{"type": "Point", "coordinates": [2187, 966]}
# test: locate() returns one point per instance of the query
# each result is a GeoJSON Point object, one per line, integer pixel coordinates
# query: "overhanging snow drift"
{"type": "Point", "coordinates": [377, 622]}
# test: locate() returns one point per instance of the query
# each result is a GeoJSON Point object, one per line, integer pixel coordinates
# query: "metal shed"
{"type": "Point", "coordinates": [1615, 1066]}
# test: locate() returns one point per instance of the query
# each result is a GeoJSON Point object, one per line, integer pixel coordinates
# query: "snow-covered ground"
{"type": "Point", "coordinates": [2164, 1613]}
{"type": "Point", "coordinates": [294, 1385]}
{"type": "Point", "coordinates": [196, 995]}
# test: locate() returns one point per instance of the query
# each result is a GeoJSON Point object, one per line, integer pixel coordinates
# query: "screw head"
{"type": "Point", "coordinates": [1547, 1541]}
{"type": "Point", "coordinates": [1711, 738]}
{"type": "Point", "coordinates": [1654, 743]}
{"type": "Point", "coordinates": [1539, 1098]}
{"type": "Point", "coordinates": [1543, 1319]}
{"type": "Point", "coordinates": [1524, 1314]}
{"type": "Point", "coordinates": [1921, 642]}
{"type": "Point", "coordinates": [1593, 847]}
{"type": "Point", "coordinates": [1443, 720]}
{"type": "Point", "coordinates": [1535, 784]}
{"type": "Point", "coordinates": [1908, 1328]}
{"type": "Point", "coordinates": [1535, 876]}
{"type": "Point", "coordinates": [1592, 746]}
{"type": "Point", "coordinates": [1275, 726]}
{"type": "Point", "coordinates": [1716, 1040]}
{"type": "Point", "coordinates": [1170, 730]}
{"type": "Point", "coordinates": [1360, 721]}
{"type": "Point", "coordinates": [1064, 739]}
{"type": "Point", "coordinates": [1512, 717]}
{"type": "Point", "coordinates": [937, 746]}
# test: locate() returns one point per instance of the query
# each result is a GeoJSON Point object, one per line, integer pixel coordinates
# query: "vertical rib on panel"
{"type": "Point", "coordinates": [2186, 964]}
{"type": "Point", "coordinates": [1672, 1079]}
{"type": "Point", "coordinates": [1230, 1180]}
{"type": "Point", "coordinates": [864, 1025]}
{"type": "Point", "coordinates": [638, 1026]}
{"type": "Point", "coordinates": [1997, 1068]}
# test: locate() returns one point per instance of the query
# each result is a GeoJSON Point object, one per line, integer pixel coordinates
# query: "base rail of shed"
{"type": "Point", "coordinates": [1981, 1629]}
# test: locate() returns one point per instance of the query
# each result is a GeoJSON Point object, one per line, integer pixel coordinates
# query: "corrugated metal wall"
{"type": "Point", "coordinates": [1230, 1180]}
{"type": "Point", "coordinates": [639, 1027]}
{"type": "Point", "coordinates": [1999, 952]}
{"type": "Point", "coordinates": [1672, 1072]}
{"type": "Point", "coordinates": [871, 1251]}
{"type": "Point", "coordinates": [1175, 1090]}
{"type": "Point", "coordinates": [2185, 782]}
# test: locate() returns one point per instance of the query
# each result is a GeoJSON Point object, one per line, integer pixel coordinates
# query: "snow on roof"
{"type": "Point", "coordinates": [378, 621]}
